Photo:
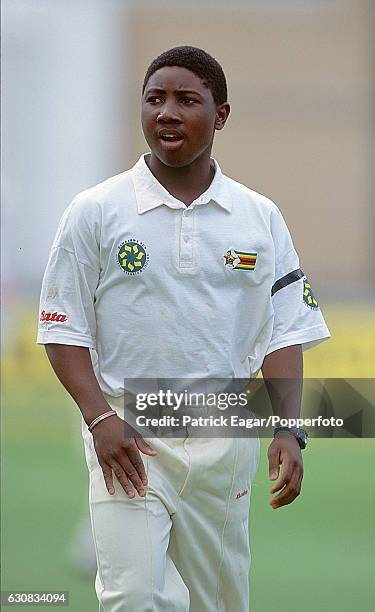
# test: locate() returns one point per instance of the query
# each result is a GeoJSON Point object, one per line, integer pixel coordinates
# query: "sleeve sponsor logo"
{"type": "Point", "coordinates": [56, 317]}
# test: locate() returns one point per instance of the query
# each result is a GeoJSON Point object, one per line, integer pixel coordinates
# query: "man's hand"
{"type": "Point", "coordinates": [284, 450]}
{"type": "Point", "coordinates": [117, 447]}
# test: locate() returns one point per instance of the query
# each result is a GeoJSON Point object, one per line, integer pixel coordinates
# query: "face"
{"type": "Point", "coordinates": [179, 116]}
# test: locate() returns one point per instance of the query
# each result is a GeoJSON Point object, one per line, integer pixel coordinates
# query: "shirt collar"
{"type": "Point", "coordinates": [150, 193]}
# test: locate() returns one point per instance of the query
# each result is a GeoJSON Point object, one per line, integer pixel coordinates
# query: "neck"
{"type": "Point", "coordinates": [186, 183]}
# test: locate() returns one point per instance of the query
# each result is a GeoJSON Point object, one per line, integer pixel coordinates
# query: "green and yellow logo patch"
{"type": "Point", "coordinates": [132, 257]}
{"type": "Point", "coordinates": [308, 295]}
{"type": "Point", "coordinates": [240, 260]}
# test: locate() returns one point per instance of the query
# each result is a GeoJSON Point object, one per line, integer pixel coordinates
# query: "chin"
{"type": "Point", "coordinates": [171, 163]}
{"type": "Point", "coordinates": [172, 160]}
{"type": "Point", "coordinates": [176, 159]}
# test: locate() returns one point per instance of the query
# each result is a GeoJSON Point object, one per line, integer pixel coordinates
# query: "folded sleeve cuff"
{"type": "Point", "coordinates": [53, 337]}
{"type": "Point", "coordinates": [308, 338]}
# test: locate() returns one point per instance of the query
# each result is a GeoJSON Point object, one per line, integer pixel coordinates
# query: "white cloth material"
{"type": "Point", "coordinates": [185, 546]}
{"type": "Point", "coordinates": [144, 281]}
{"type": "Point", "coordinates": [160, 290]}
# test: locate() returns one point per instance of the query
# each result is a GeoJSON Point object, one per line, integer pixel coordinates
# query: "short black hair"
{"type": "Point", "coordinates": [198, 61]}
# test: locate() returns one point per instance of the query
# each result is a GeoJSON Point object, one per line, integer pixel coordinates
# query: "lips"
{"type": "Point", "coordinates": [167, 135]}
{"type": "Point", "coordinates": [171, 140]}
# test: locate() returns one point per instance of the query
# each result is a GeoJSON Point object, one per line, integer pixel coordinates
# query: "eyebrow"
{"type": "Point", "coordinates": [176, 91]}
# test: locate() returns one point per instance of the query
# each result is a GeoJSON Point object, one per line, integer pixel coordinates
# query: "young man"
{"type": "Point", "coordinates": [173, 270]}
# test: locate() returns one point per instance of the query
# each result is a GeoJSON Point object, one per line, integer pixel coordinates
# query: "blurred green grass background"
{"type": "Point", "coordinates": [315, 555]}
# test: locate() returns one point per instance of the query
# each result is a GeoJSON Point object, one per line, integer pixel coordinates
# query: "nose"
{"type": "Point", "coordinates": [168, 113]}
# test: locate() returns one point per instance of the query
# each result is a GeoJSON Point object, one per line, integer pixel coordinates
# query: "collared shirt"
{"type": "Point", "coordinates": [158, 289]}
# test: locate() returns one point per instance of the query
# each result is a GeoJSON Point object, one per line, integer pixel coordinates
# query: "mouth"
{"type": "Point", "coordinates": [171, 139]}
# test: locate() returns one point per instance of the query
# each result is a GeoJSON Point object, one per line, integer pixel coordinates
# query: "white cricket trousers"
{"type": "Point", "coordinates": [185, 546]}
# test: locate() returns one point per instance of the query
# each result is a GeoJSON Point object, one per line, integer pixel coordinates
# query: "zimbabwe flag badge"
{"type": "Point", "coordinates": [240, 260]}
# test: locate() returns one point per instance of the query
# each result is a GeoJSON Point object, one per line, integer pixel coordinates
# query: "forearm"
{"type": "Point", "coordinates": [72, 366]}
{"type": "Point", "coordinates": [116, 451]}
{"type": "Point", "coordinates": [283, 375]}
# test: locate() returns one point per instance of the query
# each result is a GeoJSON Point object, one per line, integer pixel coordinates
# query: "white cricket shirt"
{"type": "Point", "coordinates": [159, 289]}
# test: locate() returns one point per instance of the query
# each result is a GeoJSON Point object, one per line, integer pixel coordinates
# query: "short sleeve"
{"type": "Point", "coordinates": [67, 313]}
{"type": "Point", "coordinates": [297, 315]}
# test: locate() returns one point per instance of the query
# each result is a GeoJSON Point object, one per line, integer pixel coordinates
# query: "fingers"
{"type": "Point", "coordinates": [291, 488]}
{"type": "Point", "coordinates": [137, 473]}
{"type": "Point", "coordinates": [120, 456]}
{"type": "Point", "coordinates": [134, 470]}
{"type": "Point", "coordinates": [126, 464]}
{"type": "Point", "coordinates": [107, 475]}
{"type": "Point", "coordinates": [140, 442]}
{"type": "Point", "coordinates": [274, 462]}
{"type": "Point", "coordinates": [144, 447]}
{"type": "Point", "coordinates": [287, 495]}
{"type": "Point", "coordinates": [286, 475]}
{"type": "Point", "coordinates": [123, 479]}
{"type": "Point", "coordinates": [126, 475]}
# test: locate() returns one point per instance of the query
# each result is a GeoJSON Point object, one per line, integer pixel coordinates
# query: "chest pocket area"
{"type": "Point", "coordinates": [246, 267]}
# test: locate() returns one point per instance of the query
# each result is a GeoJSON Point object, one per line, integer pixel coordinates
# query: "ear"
{"type": "Point", "coordinates": [222, 114]}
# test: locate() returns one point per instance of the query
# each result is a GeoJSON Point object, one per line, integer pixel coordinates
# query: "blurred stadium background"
{"type": "Point", "coordinates": [301, 85]}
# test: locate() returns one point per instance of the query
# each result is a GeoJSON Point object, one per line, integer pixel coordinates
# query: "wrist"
{"type": "Point", "coordinates": [91, 408]}
{"type": "Point", "coordinates": [283, 434]}
{"type": "Point", "coordinates": [299, 434]}
{"type": "Point", "coordinates": [100, 418]}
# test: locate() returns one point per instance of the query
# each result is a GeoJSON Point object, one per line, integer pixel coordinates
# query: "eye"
{"type": "Point", "coordinates": [153, 99]}
{"type": "Point", "coordinates": [186, 100]}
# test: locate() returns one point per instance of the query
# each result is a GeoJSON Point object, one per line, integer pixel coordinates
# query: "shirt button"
{"type": "Point", "coordinates": [186, 238]}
